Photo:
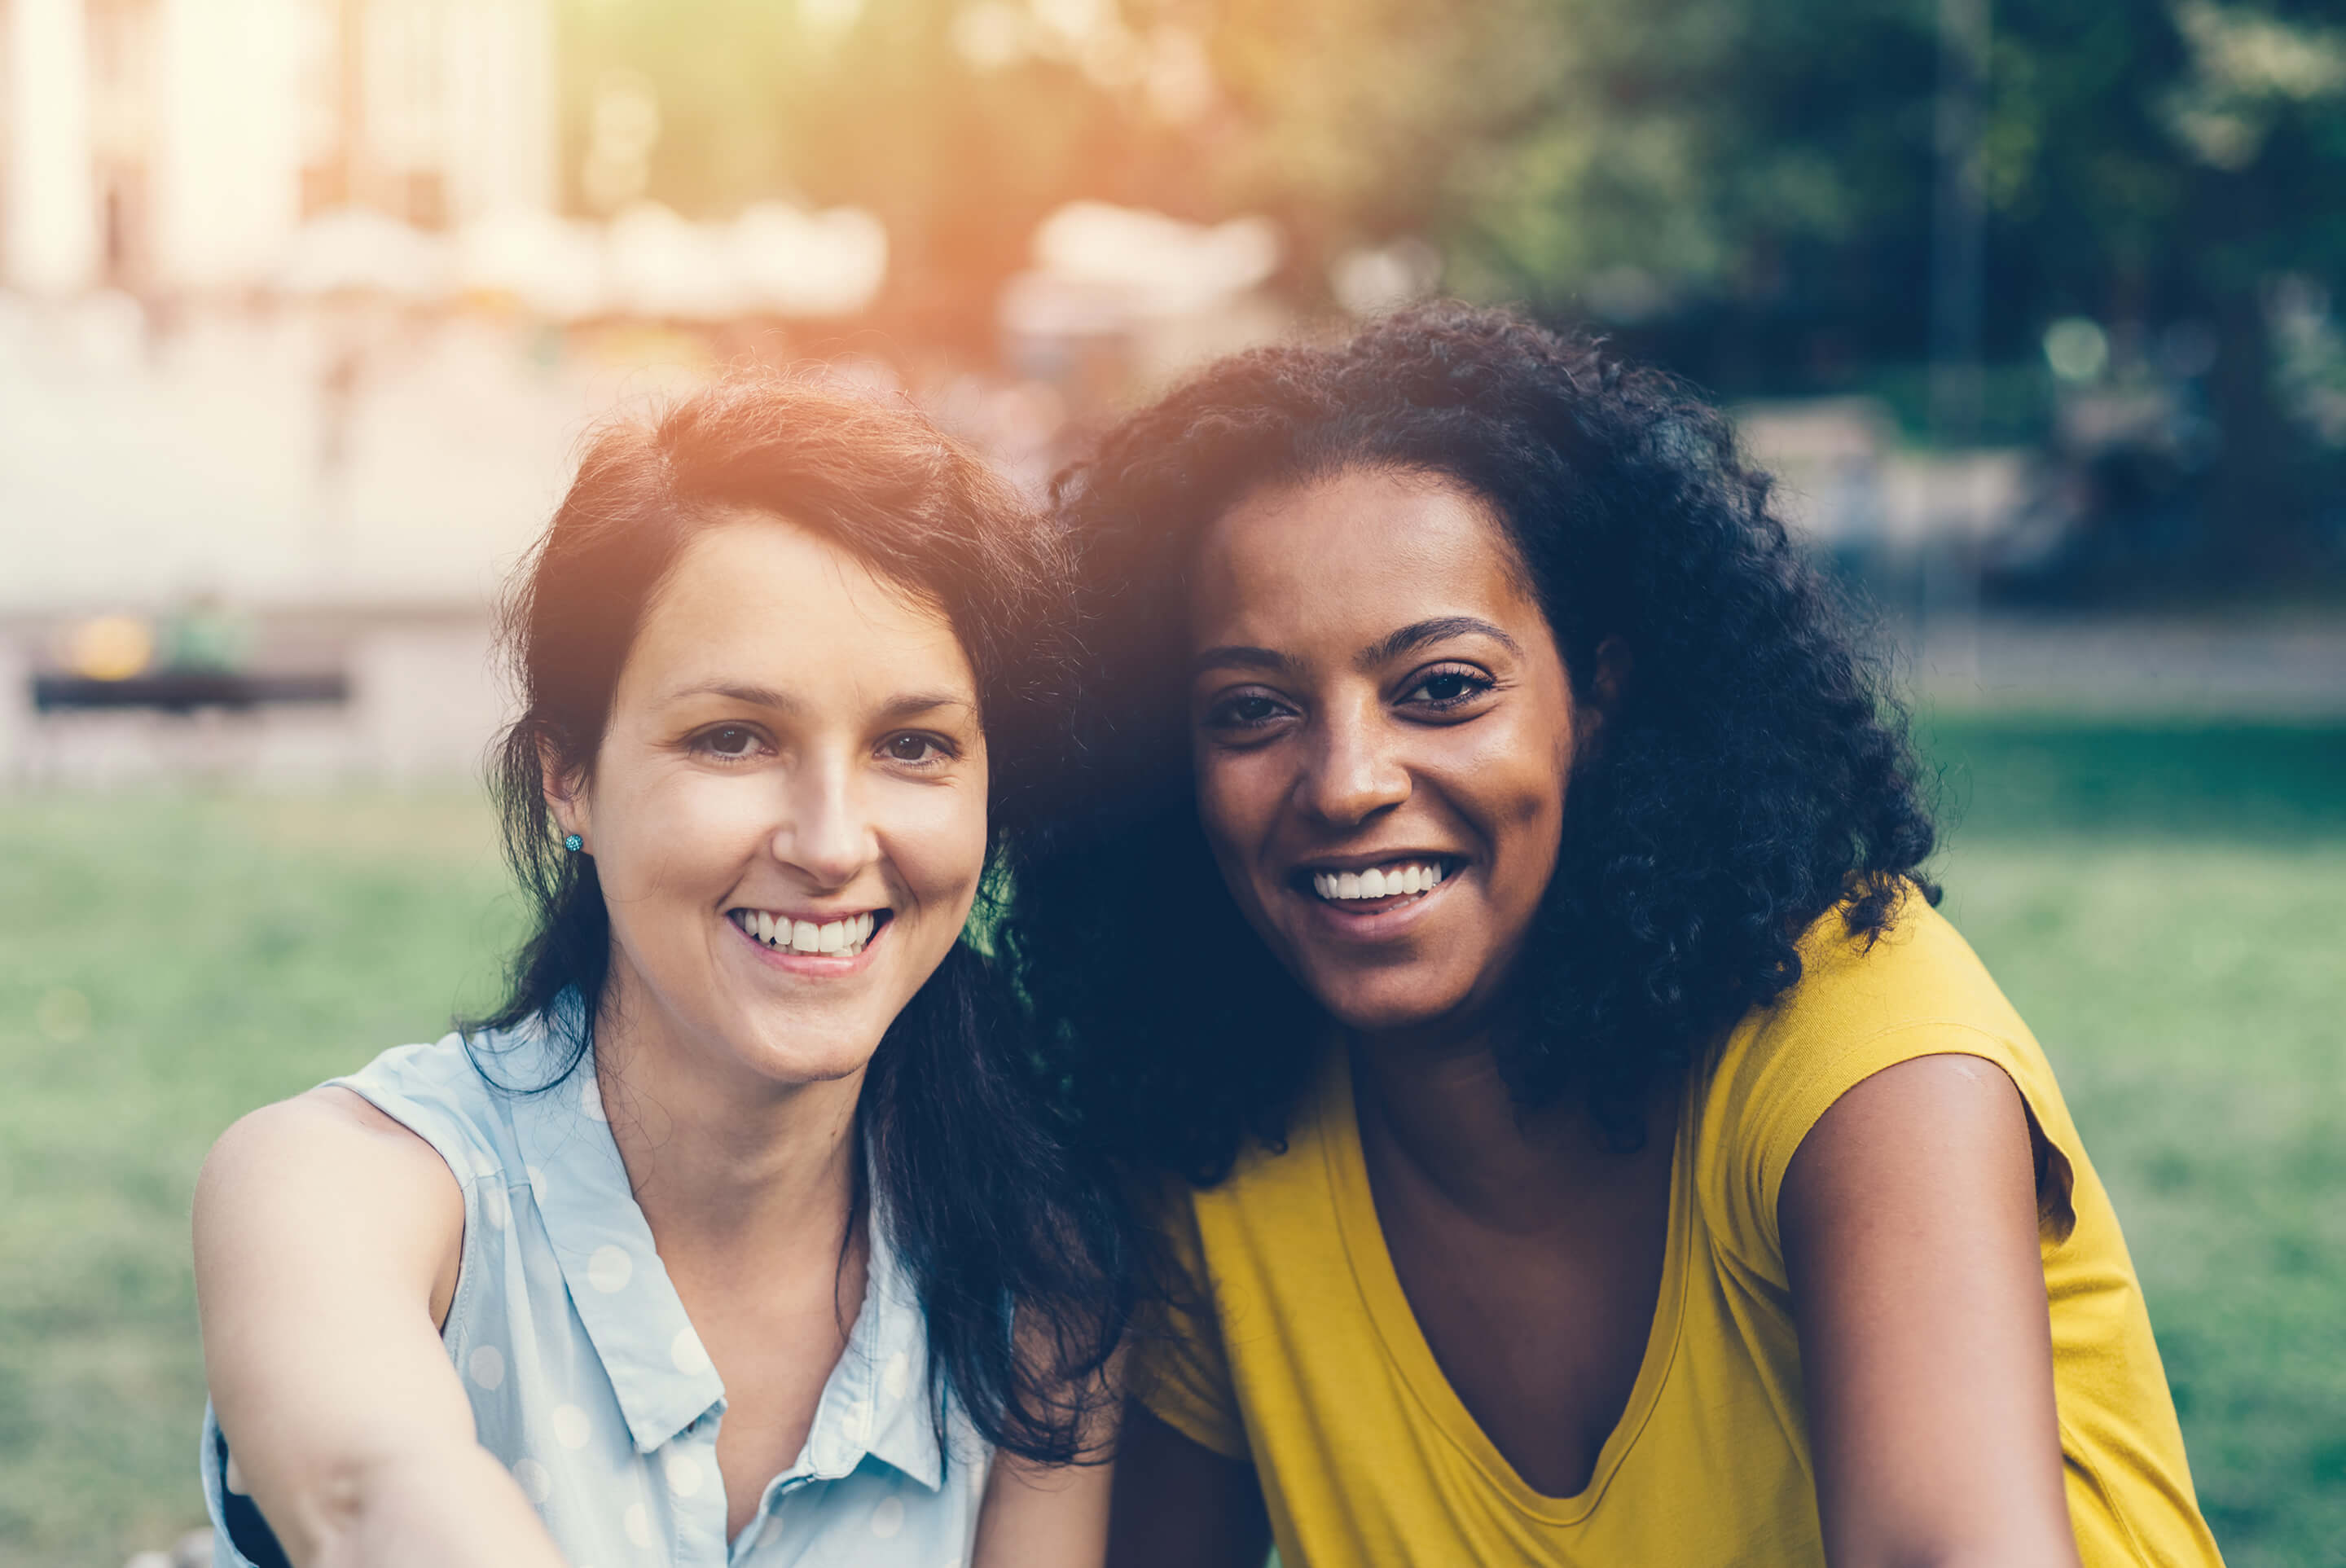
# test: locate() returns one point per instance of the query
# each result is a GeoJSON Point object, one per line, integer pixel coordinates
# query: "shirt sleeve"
{"type": "Point", "coordinates": [240, 1536]}
{"type": "Point", "coordinates": [1180, 1371]}
{"type": "Point", "coordinates": [1788, 1104]}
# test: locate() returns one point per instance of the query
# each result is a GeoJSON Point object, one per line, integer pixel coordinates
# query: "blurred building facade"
{"type": "Point", "coordinates": [164, 147]}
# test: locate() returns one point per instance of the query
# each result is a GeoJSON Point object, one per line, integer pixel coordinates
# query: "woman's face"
{"type": "Point", "coordinates": [1382, 730]}
{"type": "Point", "coordinates": [788, 810]}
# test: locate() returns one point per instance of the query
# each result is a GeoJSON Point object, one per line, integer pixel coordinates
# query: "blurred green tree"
{"type": "Point", "coordinates": [1743, 187]}
{"type": "Point", "coordinates": [960, 124]}
{"type": "Point", "coordinates": [1752, 183]}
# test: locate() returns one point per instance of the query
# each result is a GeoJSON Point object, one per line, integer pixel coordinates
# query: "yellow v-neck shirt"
{"type": "Point", "coordinates": [1305, 1359]}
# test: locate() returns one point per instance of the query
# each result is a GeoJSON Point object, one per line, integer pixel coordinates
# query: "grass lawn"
{"type": "Point", "coordinates": [2168, 909]}
{"type": "Point", "coordinates": [2166, 905]}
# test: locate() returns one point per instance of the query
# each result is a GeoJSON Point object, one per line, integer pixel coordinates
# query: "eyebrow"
{"type": "Point", "coordinates": [913, 704]}
{"type": "Point", "coordinates": [1408, 639]}
{"type": "Point", "coordinates": [907, 705]}
{"type": "Point", "coordinates": [1238, 656]}
{"type": "Point", "coordinates": [1440, 628]}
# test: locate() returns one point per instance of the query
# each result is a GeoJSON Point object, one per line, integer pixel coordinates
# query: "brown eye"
{"type": "Point", "coordinates": [1447, 688]}
{"type": "Point", "coordinates": [1243, 711]}
{"type": "Point", "coordinates": [914, 747]}
{"type": "Point", "coordinates": [732, 741]}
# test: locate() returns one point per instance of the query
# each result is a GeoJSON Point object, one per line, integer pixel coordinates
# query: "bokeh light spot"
{"type": "Point", "coordinates": [111, 647]}
{"type": "Point", "coordinates": [2076, 349]}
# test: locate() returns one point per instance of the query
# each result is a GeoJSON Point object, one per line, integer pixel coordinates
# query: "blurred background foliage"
{"type": "Point", "coordinates": [1741, 189]}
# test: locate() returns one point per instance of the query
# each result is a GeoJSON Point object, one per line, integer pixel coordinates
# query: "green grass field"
{"type": "Point", "coordinates": [2166, 905]}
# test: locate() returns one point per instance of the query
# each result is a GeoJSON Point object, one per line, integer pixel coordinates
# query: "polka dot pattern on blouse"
{"type": "Point", "coordinates": [586, 1378]}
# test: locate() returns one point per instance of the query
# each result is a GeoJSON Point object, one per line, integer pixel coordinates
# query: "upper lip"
{"type": "Point", "coordinates": [1341, 863]}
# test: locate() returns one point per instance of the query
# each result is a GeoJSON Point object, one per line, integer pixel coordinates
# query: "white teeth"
{"type": "Point", "coordinates": [838, 938]}
{"type": "Point", "coordinates": [1378, 882]}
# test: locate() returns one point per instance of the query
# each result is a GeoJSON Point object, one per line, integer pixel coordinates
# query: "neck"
{"type": "Point", "coordinates": [1440, 1107]}
{"type": "Point", "coordinates": [723, 1162]}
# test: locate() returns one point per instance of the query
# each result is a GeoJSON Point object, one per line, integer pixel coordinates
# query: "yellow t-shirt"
{"type": "Point", "coordinates": [1311, 1365]}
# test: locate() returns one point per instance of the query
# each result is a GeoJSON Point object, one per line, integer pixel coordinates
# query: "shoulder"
{"type": "Point", "coordinates": [326, 1185]}
{"type": "Point", "coordinates": [1277, 1223]}
{"type": "Point", "coordinates": [443, 1076]}
{"type": "Point", "coordinates": [1269, 1177]}
{"type": "Point", "coordinates": [328, 1138]}
{"type": "Point", "coordinates": [1273, 1212]}
{"type": "Point", "coordinates": [1919, 969]}
{"type": "Point", "coordinates": [458, 1093]}
{"type": "Point", "coordinates": [398, 1141]}
{"type": "Point", "coordinates": [1862, 1006]}
{"type": "Point", "coordinates": [1907, 991]}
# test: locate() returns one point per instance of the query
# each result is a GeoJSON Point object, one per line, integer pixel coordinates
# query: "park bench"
{"type": "Point", "coordinates": [186, 691]}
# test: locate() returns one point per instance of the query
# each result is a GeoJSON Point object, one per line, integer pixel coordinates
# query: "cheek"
{"type": "Point", "coordinates": [1528, 848]}
{"type": "Point", "coordinates": [1516, 783]}
{"type": "Point", "coordinates": [938, 845]}
{"type": "Point", "coordinates": [1236, 793]}
{"type": "Point", "coordinates": [679, 834]}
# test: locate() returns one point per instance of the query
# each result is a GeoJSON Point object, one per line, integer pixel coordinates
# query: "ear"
{"type": "Point", "coordinates": [1608, 684]}
{"type": "Point", "coordinates": [566, 796]}
{"type": "Point", "coordinates": [1614, 667]}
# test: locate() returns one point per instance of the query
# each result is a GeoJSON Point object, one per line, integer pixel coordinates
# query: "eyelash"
{"type": "Point", "coordinates": [1477, 684]}
{"type": "Point", "coordinates": [941, 750]}
{"type": "Point", "coordinates": [1222, 715]}
{"type": "Point", "coordinates": [704, 743]}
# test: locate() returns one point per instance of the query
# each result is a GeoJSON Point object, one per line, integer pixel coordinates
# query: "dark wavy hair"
{"type": "Point", "coordinates": [969, 1140]}
{"type": "Point", "coordinates": [1752, 776]}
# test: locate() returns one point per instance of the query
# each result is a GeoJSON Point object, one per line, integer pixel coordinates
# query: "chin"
{"type": "Point", "coordinates": [800, 1068]}
{"type": "Point", "coordinates": [1392, 1004]}
{"type": "Point", "coordinates": [794, 1051]}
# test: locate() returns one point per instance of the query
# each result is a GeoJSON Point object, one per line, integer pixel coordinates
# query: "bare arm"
{"type": "Point", "coordinates": [327, 1238]}
{"type": "Point", "coordinates": [1045, 1516]}
{"type": "Point", "coordinates": [1909, 1219]}
{"type": "Point", "coordinates": [1182, 1505]}
{"type": "Point", "coordinates": [1052, 1516]}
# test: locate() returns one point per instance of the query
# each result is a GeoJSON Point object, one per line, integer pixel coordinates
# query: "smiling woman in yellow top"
{"type": "Point", "coordinates": [1492, 909]}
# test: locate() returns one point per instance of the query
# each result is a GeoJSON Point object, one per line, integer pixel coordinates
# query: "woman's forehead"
{"type": "Point", "coordinates": [759, 595]}
{"type": "Point", "coordinates": [1361, 542]}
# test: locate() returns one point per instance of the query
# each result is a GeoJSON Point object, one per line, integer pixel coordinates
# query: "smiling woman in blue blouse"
{"type": "Point", "coordinates": [707, 1248]}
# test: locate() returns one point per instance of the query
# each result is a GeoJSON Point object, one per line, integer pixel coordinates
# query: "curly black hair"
{"type": "Point", "coordinates": [1753, 775]}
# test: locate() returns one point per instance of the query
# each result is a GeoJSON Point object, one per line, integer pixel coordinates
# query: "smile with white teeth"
{"type": "Point", "coordinates": [1378, 882]}
{"type": "Point", "coordinates": [831, 939]}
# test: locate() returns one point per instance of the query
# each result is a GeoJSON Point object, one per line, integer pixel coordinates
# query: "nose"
{"type": "Point", "coordinates": [1353, 773]}
{"type": "Point", "coordinates": [825, 833]}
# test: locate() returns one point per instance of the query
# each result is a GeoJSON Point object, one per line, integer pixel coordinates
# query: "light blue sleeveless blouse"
{"type": "Point", "coordinates": [585, 1375]}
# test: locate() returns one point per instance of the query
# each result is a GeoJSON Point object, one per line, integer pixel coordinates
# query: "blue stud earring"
{"type": "Point", "coordinates": [573, 842]}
